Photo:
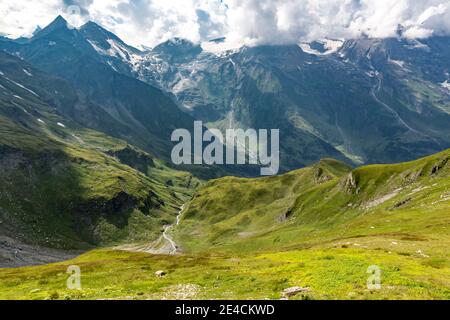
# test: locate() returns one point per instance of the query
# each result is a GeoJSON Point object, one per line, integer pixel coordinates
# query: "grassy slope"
{"type": "Point", "coordinates": [231, 208]}
{"type": "Point", "coordinates": [327, 241]}
{"type": "Point", "coordinates": [329, 273]}
{"type": "Point", "coordinates": [62, 183]}
{"type": "Point", "coordinates": [302, 208]}
{"type": "Point", "coordinates": [65, 186]}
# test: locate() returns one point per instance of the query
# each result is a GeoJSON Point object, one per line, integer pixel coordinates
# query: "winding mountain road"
{"type": "Point", "coordinates": [173, 248]}
{"type": "Point", "coordinates": [164, 244]}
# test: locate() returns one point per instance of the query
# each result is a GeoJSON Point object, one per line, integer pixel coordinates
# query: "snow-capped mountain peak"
{"type": "Point", "coordinates": [321, 47]}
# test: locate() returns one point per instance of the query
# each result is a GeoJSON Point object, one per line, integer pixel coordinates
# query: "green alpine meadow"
{"type": "Point", "coordinates": [94, 207]}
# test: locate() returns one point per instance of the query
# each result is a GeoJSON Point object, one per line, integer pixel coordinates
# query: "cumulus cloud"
{"type": "Point", "coordinates": [149, 22]}
{"type": "Point", "coordinates": [287, 21]}
{"type": "Point", "coordinates": [21, 17]}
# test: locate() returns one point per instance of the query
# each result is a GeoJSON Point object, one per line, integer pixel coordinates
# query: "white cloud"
{"type": "Point", "coordinates": [287, 21]}
{"type": "Point", "coordinates": [21, 17]}
{"type": "Point", "coordinates": [150, 22]}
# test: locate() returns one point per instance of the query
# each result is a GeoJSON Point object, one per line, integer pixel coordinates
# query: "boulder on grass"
{"type": "Point", "coordinates": [160, 273]}
{"type": "Point", "coordinates": [290, 292]}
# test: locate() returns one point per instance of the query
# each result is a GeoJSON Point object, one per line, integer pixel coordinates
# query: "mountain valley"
{"type": "Point", "coordinates": [87, 178]}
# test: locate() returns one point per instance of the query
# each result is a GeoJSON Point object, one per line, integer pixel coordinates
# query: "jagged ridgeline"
{"type": "Point", "coordinates": [65, 186]}
{"type": "Point", "coordinates": [325, 203]}
{"type": "Point", "coordinates": [109, 101]}
{"type": "Point", "coordinates": [361, 101]}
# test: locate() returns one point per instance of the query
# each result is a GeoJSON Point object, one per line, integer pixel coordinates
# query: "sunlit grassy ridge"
{"type": "Point", "coordinates": [317, 205]}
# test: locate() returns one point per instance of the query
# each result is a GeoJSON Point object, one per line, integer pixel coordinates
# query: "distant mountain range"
{"type": "Point", "coordinates": [361, 101]}
{"type": "Point", "coordinates": [112, 102]}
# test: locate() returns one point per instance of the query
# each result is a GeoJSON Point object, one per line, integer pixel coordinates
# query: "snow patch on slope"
{"type": "Point", "coordinates": [221, 48]}
{"type": "Point", "coordinates": [416, 44]}
{"type": "Point", "coordinates": [183, 84]}
{"type": "Point", "coordinates": [97, 48]}
{"type": "Point", "coordinates": [117, 50]}
{"type": "Point", "coordinates": [399, 63]}
{"type": "Point", "coordinates": [22, 86]}
{"type": "Point", "coordinates": [446, 85]}
{"type": "Point", "coordinates": [331, 46]}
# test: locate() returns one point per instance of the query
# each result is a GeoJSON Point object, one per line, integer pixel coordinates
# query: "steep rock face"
{"type": "Point", "coordinates": [116, 211]}
{"type": "Point", "coordinates": [134, 158]}
{"type": "Point", "coordinates": [11, 158]}
{"type": "Point", "coordinates": [349, 184]}
{"type": "Point", "coordinates": [369, 101]}
{"type": "Point", "coordinates": [439, 166]}
{"type": "Point", "coordinates": [320, 176]}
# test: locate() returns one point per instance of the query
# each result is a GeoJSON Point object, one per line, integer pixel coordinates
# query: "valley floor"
{"type": "Point", "coordinates": [337, 270]}
{"type": "Point", "coordinates": [14, 253]}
